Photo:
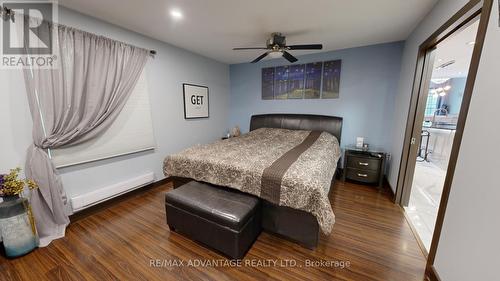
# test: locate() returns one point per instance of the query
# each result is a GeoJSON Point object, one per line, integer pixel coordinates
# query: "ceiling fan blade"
{"type": "Point", "coordinates": [260, 57]}
{"type": "Point", "coordinates": [289, 57]}
{"type": "Point", "coordinates": [250, 48]}
{"type": "Point", "coordinates": [306, 47]}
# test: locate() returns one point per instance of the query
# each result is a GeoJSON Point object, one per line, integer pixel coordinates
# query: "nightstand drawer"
{"type": "Point", "coordinates": [363, 163]}
{"type": "Point", "coordinates": [362, 175]}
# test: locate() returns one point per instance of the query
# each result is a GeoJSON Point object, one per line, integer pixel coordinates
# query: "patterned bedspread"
{"type": "Point", "coordinates": [243, 162]}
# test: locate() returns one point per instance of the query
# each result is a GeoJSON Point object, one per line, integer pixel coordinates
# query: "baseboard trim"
{"type": "Point", "coordinates": [391, 191]}
{"type": "Point", "coordinates": [338, 173]}
{"type": "Point", "coordinates": [106, 204]}
{"type": "Point", "coordinates": [431, 273]}
{"type": "Point", "coordinates": [415, 234]}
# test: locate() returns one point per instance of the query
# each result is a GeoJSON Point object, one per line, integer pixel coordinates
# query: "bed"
{"type": "Point", "coordinates": [289, 160]}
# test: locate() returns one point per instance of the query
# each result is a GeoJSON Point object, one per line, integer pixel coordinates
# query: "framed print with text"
{"type": "Point", "coordinates": [195, 101]}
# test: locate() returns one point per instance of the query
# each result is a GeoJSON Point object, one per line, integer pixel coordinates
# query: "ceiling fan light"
{"type": "Point", "coordinates": [442, 94]}
{"type": "Point", "coordinates": [447, 87]}
{"type": "Point", "coordinates": [275, 54]}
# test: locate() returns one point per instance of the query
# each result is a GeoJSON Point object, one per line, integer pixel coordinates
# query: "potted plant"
{"type": "Point", "coordinates": [17, 225]}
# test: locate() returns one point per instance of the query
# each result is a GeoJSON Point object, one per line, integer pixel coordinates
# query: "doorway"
{"type": "Point", "coordinates": [436, 122]}
{"type": "Point", "coordinates": [434, 127]}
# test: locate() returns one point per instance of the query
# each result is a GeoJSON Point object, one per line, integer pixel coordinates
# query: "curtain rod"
{"type": "Point", "coordinates": [7, 14]}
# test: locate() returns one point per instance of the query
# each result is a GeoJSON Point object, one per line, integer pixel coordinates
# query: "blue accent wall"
{"type": "Point", "coordinates": [455, 95]}
{"type": "Point", "coordinates": [368, 86]}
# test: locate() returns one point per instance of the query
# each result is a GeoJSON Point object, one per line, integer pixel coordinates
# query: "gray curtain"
{"type": "Point", "coordinates": [71, 104]}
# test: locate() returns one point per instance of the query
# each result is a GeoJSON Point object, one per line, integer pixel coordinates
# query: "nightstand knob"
{"type": "Point", "coordinates": [363, 175]}
{"type": "Point", "coordinates": [363, 163]}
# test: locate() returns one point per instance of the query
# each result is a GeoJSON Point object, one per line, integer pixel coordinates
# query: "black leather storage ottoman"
{"type": "Point", "coordinates": [225, 220]}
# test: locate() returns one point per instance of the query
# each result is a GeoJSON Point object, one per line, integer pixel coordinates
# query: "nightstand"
{"type": "Point", "coordinates": [364, 165]}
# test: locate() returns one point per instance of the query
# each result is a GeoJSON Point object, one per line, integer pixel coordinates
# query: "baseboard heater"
{"type": "Point", "coordinates": [83, 201]}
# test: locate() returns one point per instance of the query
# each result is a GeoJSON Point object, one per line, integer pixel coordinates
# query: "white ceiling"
{"type": "Point", "coordinates": [213, 27]}
{"type": "Point", "coordinates": [456, 48]}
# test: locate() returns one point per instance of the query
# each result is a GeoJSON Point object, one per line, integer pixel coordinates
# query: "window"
{"type": "Point", "coordinates": [432, 104]}
{"type": "Point", "coordinates": [132, 131]}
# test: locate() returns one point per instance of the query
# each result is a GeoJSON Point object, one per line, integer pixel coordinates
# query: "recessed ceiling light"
{"type": "Point", "coordinates": [176, 14]}
{"type": "Point", "coordinates": [471, 43]}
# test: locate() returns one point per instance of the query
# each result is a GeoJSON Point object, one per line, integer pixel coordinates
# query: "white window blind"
{"type": "Point", "coordinates": [131, 132]}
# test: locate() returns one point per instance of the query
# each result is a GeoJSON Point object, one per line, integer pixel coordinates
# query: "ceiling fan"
{"type": "Point", "coordinates": [276, 47]}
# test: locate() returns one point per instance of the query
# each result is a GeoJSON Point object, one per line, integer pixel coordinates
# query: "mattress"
{"type": "Point", "coordinates": [292, 168]}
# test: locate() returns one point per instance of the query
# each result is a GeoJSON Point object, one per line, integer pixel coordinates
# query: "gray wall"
{"type": "Point", "coordinates": [469, 246]}
{"type": "Point", "coordinates": [368, 86]}
{"type": "Point", "coordinates": [166, 72]}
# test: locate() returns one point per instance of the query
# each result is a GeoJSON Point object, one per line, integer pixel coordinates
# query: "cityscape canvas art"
{"type": "Point", "coordinates": [317, 80]}
{"type": "Point", "coordinates": [313, 80]}
{"type": "Point", "coordinates": [281, 83]}
{"type": "Point", "coordinates": [331, 80]}
{"type": "Point", "coordinates": [268, 83]}
{"type": "Point", "coordinates": [296, 81]}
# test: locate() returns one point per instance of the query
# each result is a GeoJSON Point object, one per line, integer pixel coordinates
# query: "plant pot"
{"type": "Point", "coordinates": [17, 226]}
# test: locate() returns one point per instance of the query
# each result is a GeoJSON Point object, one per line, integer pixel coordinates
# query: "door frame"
{"type": "Point", "coordinates": [418, 118]}
{"type": "Point", "coordinates": [458, 21]}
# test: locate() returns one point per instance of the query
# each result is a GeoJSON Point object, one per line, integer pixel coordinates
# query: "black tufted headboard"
{"type": "Point", "coordinates": [330, 124]}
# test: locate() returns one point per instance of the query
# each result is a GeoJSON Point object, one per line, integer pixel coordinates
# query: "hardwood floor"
{"type": "Point", "coordinates": [131, 241]}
